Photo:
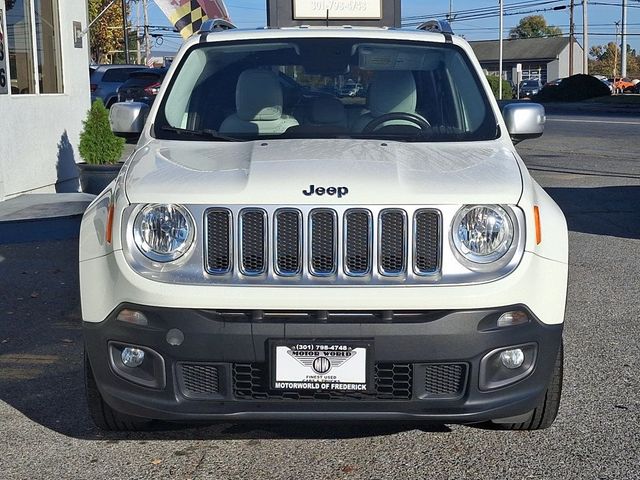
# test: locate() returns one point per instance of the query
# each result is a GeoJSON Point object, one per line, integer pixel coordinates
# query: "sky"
{"type": "Point", "coordinates": [477, 19]}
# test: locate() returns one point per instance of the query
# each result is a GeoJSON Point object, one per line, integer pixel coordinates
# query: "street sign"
{"type": "Point", "coordinates": [4, 81]}
{"type": "Point", "coordinates": [337, 10]}
{"type": "Point", "coordinates": [370, 13]}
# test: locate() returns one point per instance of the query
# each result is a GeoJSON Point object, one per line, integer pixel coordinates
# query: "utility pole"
{"type": "Point", "coordinates": [125, 31]}
{"type": "Point", "coordinates": [623, 47]}
{"type": "Point", "coordinates": [138, 36]}
{"type": "Point", "coordinates": [450, 17]}
{"type": "Point", "coordinates": [585, 38]}
{"type": "Point", "coordinates": [572, 30]}
{"type": "Point", "coordinates": [147, 43]}
{"type": "Point", "coordinates": [500, 55]}
{"type": "Point", "coordinates": [615, 60]}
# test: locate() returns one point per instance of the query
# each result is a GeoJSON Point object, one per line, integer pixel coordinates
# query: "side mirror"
{"type": "Point", "coordinates": [127, 119]}
{"type": "Point", "coordinates": [524, 120]}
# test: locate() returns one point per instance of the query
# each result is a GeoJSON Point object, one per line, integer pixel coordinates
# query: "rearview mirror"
{"type": "Point", "coordinates": [127, 119]}
{"type": "Point", "coordinates": [524, 120]}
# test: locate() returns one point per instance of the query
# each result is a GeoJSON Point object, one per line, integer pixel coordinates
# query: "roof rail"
{"type": "Point", "coordinates": [436, 26]}
{"type": "Point", "coordinates": [216, 25]}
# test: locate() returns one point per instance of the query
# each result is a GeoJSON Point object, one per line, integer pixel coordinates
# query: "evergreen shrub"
{"type": "Point", "coordinates": [98, 144]}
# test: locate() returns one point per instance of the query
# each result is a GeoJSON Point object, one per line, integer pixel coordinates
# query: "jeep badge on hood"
{"type": "Point", "coordinates": [340, 191]}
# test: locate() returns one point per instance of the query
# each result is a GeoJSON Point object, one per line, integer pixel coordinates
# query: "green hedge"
{"type": "Point", "coordinates": [494, 82]}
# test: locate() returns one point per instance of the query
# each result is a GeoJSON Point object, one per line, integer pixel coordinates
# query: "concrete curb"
{"type": "Point", "coordinates": [41, 217]}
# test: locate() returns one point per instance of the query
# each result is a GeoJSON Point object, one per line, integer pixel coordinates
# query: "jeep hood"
{"type": "Point", "coordinates": [277, 172]}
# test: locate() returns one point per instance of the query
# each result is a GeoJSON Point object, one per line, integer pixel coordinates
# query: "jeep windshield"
{"type": "Point", "coordinates": [325, 88]}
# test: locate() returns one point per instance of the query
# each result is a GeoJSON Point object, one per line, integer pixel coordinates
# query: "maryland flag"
{"type": "Point", "coordinates": [188, 15]}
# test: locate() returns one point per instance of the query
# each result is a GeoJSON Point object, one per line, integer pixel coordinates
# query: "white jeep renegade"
{"type": "Point", "coordinates": [324, 223]}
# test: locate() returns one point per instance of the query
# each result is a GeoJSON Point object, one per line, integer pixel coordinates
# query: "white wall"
{"type": "Point", "coordinates": [553, 70]}
{"type": "Point", "coordinates": [563, 61]}
{"type": "Point", "coordinates": [39, 133]}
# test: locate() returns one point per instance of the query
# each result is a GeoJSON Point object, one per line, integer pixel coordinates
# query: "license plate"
{"type": "Point", "coordinates": [321, 366]}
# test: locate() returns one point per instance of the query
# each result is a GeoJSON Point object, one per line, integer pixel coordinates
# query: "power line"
{"type": "Point", "coordinates": [495, 9]}
{"type": "Point", "coordinates": [491, 15]}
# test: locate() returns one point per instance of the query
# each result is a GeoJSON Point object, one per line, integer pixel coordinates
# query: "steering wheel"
{"type": "Point", "coordinates": [408, 117]}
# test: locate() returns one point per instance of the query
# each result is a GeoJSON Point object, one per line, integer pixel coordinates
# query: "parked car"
{"type": "Point", "coordinates": [621, 85]}
{"type": "Point", "coordinates": [105, 80]}
{"type": "Point", "coordinates": [554, 83]}
{"type": "Point", "coordinates": [142, 86]}
{"type": "Point", "coordinates": [251, 264]}
{"type": "Point", "coordinates": [608, 84]}
{"type": "Point", "coordinates": [529, 88]}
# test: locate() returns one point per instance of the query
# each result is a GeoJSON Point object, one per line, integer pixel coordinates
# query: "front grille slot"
{"type": "Point", "coordinates": [393, 242]}
{"type": "Point", "coordinates": [427, 242]}
{"type": "Point", "coordinates": [253, 237]}
{"type": "Point", "coordinates": [199, 380]}
{"type": "Point", "coordinates": [445, 379]}
{"type": "Point", "coordinates": [392, 381]}
{"type": "Point", "coordinates": [323, 249]}
{"type": "Point", "coordinates": [357, 242]}
{"type": "Point", "coordinates": [219, 241]}
{"type": "Point", "coordinates": [288, 242]}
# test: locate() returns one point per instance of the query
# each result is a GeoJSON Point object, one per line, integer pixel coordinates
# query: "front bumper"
{"type": "Point", "coordinates": [236, 345]}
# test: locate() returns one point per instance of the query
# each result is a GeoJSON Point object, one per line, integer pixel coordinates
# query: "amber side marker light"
{"type": "Point", "coordinates": [536, 216]}
{"type": "Point", "coordinates": [109, 232]}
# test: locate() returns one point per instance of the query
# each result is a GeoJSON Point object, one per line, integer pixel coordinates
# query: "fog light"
{"type": "Point", "coordinates": [509, 319]}
{"type": "Point", "coordinates": [132, 357]}
{"type": "Point", "coordinates": [132, 316]}
{"type": "Point", "coordinates": [513, 358]}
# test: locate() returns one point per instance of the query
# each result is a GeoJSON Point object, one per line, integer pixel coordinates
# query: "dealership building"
{"type": "Point", "coordinates": [44, 94]}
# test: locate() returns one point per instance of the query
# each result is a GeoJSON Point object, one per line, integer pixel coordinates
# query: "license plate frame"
{"type": "Point", "coordinates": [322, 383]}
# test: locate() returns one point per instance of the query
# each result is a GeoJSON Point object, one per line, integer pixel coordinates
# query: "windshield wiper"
{"type": "Point", "coordinates": [205, 133]}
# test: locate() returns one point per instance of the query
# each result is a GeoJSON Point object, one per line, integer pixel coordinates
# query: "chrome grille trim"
{"type": "Point", "coordinates": [253, 241]}
{"type": "Point", "coordinates": [218, 258]}
{"type": "Point", "coordinates": [319, 248]}
{"type": "Point", "coordinates": [423, 245]}
{"type": "Point", "coordinates": [191, 269]}
{"type": "Point", "coordinates": [353, 252]}
{"type": "Point", "coordinates": [390, 251]}
{"type": "Point", "coordinates": [287, 250]}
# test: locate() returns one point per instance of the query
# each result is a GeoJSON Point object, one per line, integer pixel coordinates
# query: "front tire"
{"type": "Point", "coordinates": [105, 417]}
{"type": "Point", "coordinates": [546, 411]}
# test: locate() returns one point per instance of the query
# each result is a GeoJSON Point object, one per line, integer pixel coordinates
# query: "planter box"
{"type": "Point", "coordinates": [95, 178]}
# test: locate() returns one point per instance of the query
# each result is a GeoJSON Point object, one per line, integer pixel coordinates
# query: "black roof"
{"type": "Point", "coordinates": [545, 48]}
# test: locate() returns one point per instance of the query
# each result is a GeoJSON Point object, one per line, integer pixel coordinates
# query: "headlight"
{"type": "Point", "coordinates": [482, 234]}
{"type": "Point", "coordinates": [163, 232]}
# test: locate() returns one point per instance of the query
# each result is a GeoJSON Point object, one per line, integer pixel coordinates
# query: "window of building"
{"type": "Point", "coordinates": [33, 40]}
{"type": "Point", "coordinates": [20, 43]}
{"type": "Point", "coordinates": [48, 45]}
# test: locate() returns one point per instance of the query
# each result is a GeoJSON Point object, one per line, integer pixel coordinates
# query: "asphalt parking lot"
{"type": "Point", "coordinates": [588, 163]}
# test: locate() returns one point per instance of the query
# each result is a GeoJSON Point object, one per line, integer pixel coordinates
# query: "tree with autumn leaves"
{"type": "Point", "coordinates": [105, 35]}
{"type": "Point", "coordinates": [605, 57]}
